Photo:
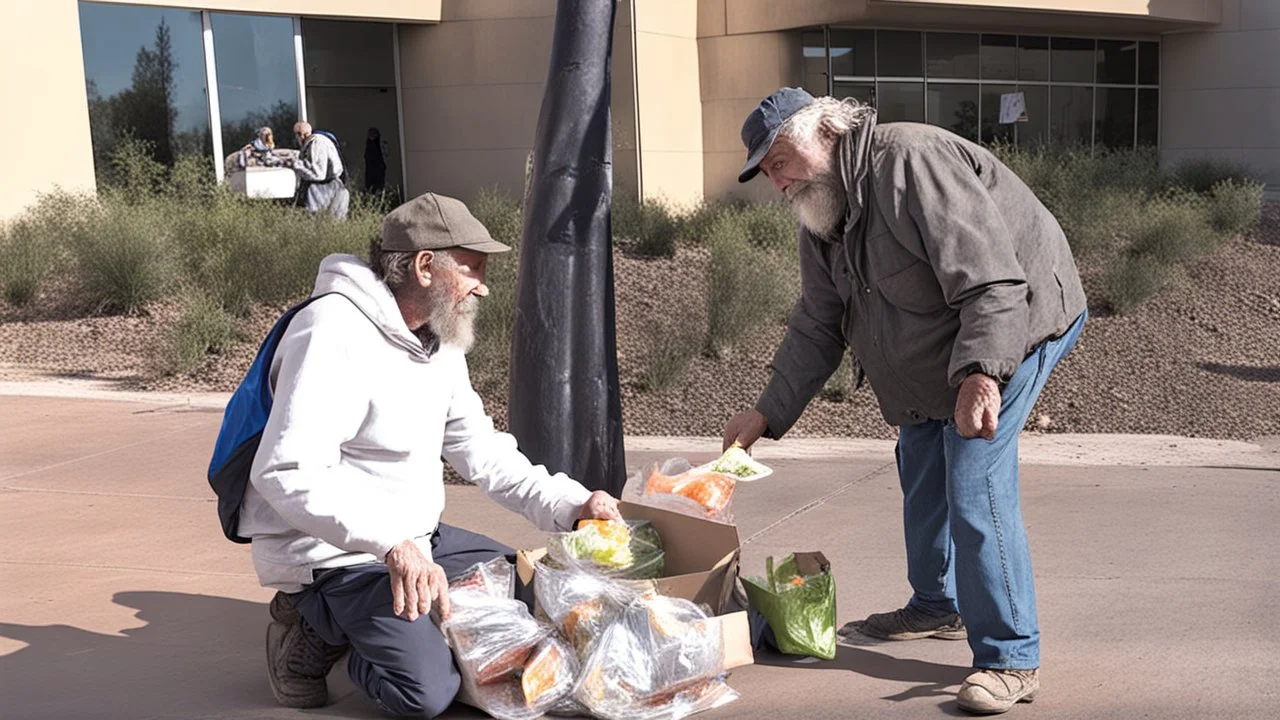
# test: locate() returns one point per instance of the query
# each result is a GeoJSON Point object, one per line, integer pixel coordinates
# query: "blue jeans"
{"type": "Point", "coordinates": [967, 548]}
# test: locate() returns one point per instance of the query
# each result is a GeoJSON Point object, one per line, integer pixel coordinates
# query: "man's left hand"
{"type": "Point", "coordinates": [600, 506]}
{"type": "Point", "coordinates": [978, 407]}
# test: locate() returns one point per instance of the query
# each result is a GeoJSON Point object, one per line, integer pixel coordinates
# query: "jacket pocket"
{"type": "Point", "coordinates": [914, 289]}
{"type": "Point", "coordinates": [1062, 292]}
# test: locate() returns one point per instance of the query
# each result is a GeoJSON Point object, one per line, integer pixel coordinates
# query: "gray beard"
{"type": "Point", "coordinates": [453, 322]}
{"type": "Point", "coordinates": [819, 204]}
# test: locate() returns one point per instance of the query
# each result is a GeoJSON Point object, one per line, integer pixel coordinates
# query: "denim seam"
{"type": "Point", "coordinates": [1004, 563]}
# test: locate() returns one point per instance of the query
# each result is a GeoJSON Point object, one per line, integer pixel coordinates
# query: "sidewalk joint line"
{"type": "Point", "coordinates": [90, 566]}
{"type": "Point", "coordinates": [108, 451]}
{"type": "Point", "coordinates": [97, 493]}
{"type": "Point", "coordinates": [820, 501]}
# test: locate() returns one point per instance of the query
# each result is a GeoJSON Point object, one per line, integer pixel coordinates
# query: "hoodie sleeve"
{"type": "Point", "coordinates": [492, 460]}
{"type": "Point", "coordinates": [321, 400]}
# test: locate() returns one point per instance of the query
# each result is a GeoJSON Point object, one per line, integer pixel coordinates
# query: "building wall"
{"type": "Point", "coordinates": [669, 100]}
{"type": "Point", "coordinates": [44, 126]}
{"type": "Point", "coordinates": [400, 10]}
{"type": "Point", "coordinates": [1221, 90]}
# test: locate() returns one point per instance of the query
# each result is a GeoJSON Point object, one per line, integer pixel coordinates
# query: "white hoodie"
{"type": "Point", "coordinates": [350, 460]}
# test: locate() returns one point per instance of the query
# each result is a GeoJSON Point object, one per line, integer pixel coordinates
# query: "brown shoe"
{"type": "Point", "coordinates": [908, 624]}
{"type": "Point", "coordinates": [282, 609]}
{"type": "Point", "coordinates": [991, 692]}
{"type": "Point", "coordinates": [298, 660]}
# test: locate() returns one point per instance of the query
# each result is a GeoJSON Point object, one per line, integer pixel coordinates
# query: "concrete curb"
{"type": "Point", "coordinates": [1034, 448]}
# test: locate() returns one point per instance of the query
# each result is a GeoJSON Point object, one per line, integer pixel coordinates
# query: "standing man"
{"type": "Point", "coordinates": [321, 173]}
{"type": "Point", "coordinates": [957, 293]}
{"type": "Point", "coordinates": [371, 391]}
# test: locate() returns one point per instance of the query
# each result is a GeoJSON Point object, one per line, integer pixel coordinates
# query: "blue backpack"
{"type": "Point", "coordinates": [242, 424]}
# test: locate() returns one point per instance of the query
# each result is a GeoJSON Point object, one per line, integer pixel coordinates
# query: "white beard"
{"type": "Point", "coordinates": [453, 322]}
{"type": "Point", "coordinates": [819, 204]}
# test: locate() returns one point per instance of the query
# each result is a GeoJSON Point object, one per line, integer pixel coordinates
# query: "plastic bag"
{"type": "Point", "coordinates": [798, 600]}
{"type": "Point", "coordinates": [736, 462]}
{"type": "Point", "coordinates": [513, 667]}
{"type": "Point", "coordinates": [677, 486]}
{"type": "Point", "coordinates": [628, 549]}
{"type": "Point", "coordinates": [661, 659]}
{"type": "Point", "coordinates": [581, 603]}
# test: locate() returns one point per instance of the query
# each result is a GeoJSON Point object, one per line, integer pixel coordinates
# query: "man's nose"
{"type": "Point", "coordinates": [481, 290]}
{"type": "Point", "coordinates": [779, 184]}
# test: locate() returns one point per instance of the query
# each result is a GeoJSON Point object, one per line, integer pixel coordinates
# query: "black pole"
{"type": "Point", "coordinates": [565, 407]}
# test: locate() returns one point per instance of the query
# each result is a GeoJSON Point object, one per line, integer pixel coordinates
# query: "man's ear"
{"type": "Point", "coordinates": [422, 267]}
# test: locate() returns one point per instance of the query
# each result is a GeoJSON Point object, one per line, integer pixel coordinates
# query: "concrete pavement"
{"type": "Point", "coordinates": [1157, 582]}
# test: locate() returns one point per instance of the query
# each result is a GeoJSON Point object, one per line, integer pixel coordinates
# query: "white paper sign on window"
{"type": "Point", "coordinates": [1013, 108]}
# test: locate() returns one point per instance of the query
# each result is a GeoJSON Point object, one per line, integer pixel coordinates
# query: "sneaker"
{"type": "Point", "coordinates": [298, 660]}
{"type": "Point", "coordinates": [282, 609]}
{"type": "Point", "coordinates": [908, 624]}
{"type": "Point", "coordinates": [991, 692]}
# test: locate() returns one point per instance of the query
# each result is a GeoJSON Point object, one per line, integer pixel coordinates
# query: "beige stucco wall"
{"type": "Point", "coordinates": [44, 123]}
{"type": "Point", "coordinates": [1220, 94]}
{"type": "Point", "coordinates": [670, 103]}
{"type": "Point", "coordinates": [401, 10]}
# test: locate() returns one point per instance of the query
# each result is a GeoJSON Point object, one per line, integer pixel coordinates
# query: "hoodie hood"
{"type": "Point", "coordinates": [854, 160]}
{"type": "Point", "coordinates": [352, 278]}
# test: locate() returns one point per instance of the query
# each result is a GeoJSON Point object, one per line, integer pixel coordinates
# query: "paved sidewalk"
{"type": "Point", "coordinates": [1156, 583]}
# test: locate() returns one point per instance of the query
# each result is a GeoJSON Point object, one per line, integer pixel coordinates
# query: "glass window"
{"type": "Point", "coordinates": [853, 53]}
{"type": "Point", "coordinates": [864, 92]}
{"type": "Point", "coordinates": [1114, 123]}
{"type": "Point", "coordinates": [1071, 115]}
{"type": "Point", "coordinates": [1117, 62]}
{"type": "Point", "coordinates": [899, 54]}
{"type": "Point", "coordinates": [952, 55]}
{"type": "Point", "coordinates": [1072, 60]}
{"type": "Point", "coordinates": [999, 57]}
{"type": "Point", "coordinates": [257, 76]}
{"type": "Point", "coordinates": [954, 107]}
{"type": "Point", "coordinates": [1148, 117]}
{"type": "Point", "coordinates": [1035, 131]}
{"type": "Point", "coordinates": [1033, 58]}
{"type": "Point", "coordinates": [1148, 63]}
{"type": "Point", "coordinates": [992, 130]}
{"type": "Point", "coordinates": [815, 62]}
{"type": "Point", "coordinates": [896, 101]}
{"type": "Point", "coordinates": [339, 52]}
{"type": "Point", "coordinates": [145, 77]}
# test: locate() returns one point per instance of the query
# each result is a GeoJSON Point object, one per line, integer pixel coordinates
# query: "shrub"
{"type": "Point", "coordinates": [491, 355]}
{"type": "Point", "coordinates": [125, 256]}
{"type": "Point", "coordinates": [647, 228]}
{"type": "Point", "coordinates": [1133, 279]}
{"type": "Point", "coordinates": [203, 327]}
{"type": "Point", "coordinates": [27, 255]}
{"type": "Point", "coordinates": [1173, 228]}
{"type": "Point", "coordinates": [1202, 174]}
{"type": "Point", "coordinates": [1235, 206]}
{"type": "Point", "coordinates": [695, 224]}
{"type": "Point", "coordinates": [669, 346]}
{"type": "Point", "coordinates": [133, 171]}
{"type": "Point", "coordinates": [748, 286]}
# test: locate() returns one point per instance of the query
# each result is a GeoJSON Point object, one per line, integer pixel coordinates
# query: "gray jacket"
{"type": "Point", "coordinates": [948, 264]}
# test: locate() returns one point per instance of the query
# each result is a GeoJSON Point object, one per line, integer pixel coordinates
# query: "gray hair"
{"type": "Point", "coordinates": [825, 115]}
{"type": "Point", "coordinates": [395, 267]}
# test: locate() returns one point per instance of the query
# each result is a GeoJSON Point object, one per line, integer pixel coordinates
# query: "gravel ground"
{"type": "Point", "coordinates": [1202, 359]}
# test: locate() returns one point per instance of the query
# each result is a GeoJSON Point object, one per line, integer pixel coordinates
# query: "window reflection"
{"type": "Point", "coordinates": [1071, 115]}
{"type": "Point", "coordinates": [952, 55]}
{"type": "Point", "coordinates": [955, 107]}
{"type": "Point", "coordinates": [145, 78]}
{"type": "Point", "coordinates": [1115, 113]}
{"type": "Point", "coordinates": [898, 54]}
{"type": "Point", "coordinates": [1072, 60]}
{"type": "Point", "coordinates": [257, 76]}
{"type": "Point", "coordinates": [999, 57]}
{"type": "Point", "coordinates": [814, 54]}
{"type": "Point", "coordinates": [993, 131]}
{"type": "Point", "coordinates": [899, 101]}
{"type": "Point", "coordinates": [853, 53]}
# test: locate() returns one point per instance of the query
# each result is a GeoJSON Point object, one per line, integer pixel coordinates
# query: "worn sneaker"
{"type": "Point", "coordinates": [298, 660]}
{"type": "Point", "coordinates": [908, 623]}
{"type": "Point", "coordinates": [991, 692]}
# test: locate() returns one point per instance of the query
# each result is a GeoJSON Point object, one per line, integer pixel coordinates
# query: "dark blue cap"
{"type": "Point", "coordinates": [762, 125]}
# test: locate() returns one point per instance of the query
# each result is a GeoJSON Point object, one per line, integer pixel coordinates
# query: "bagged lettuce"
{"type": "Point", "coordinates": [623, 549]}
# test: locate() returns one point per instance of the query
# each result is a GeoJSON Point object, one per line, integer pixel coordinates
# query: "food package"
{"type": "Point", "coordinates": [581, 603]}
{"type": "Point", "coordinates": [736, 462]}
{"type": "Point", "coordinates": [798, 600]}
{"type": "Point", "coordinates": [662, 659]}
{"type": "Point", "coordinates": [677, 486]}
{"type": "Point", "coordinates": [513, 667]}
{"type": "Point", "coordinates": [626, 549]}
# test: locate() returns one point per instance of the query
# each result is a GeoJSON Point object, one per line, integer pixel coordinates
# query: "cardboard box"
{"type": "Point", "coordinates": [701, 565]}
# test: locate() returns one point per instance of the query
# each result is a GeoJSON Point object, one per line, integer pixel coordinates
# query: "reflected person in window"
{"type": "Point", "coordinates": [955, 290]}
{"type": "Point", "coordinates": [321, 173]}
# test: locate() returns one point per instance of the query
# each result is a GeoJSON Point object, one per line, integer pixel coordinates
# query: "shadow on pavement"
{"type": "Point", "coordinates": [933, 679]}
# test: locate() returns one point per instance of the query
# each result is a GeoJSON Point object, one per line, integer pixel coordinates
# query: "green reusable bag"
{"type": "Point", "coordinates": [798, 600]}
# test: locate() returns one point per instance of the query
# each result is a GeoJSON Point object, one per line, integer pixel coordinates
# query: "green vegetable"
{"type": "Point", "coordinates": [735, 461]}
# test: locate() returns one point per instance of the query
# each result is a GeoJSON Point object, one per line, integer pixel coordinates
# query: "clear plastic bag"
{"type": "Point", "coordinates": [581, 603]}
{"type": "Point", "coordinates": [628, 549]}
{"type": "Point", "coordinates": [677, 486]}
{"type": "Point", "coordinates": [661, 659]}
{"type": "Point", "coordinates": [513, 667]}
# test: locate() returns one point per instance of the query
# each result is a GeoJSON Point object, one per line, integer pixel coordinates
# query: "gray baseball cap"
{"type": "Point", "coordinates": [762, 126]}
{"type": "Point", "coordinates": [436, 222]}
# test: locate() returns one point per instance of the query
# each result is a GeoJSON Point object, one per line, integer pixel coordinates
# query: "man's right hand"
{"type": "Point", "coordinates": [745, 429]}
{"type": "Point", "coordinates": [416, 582]}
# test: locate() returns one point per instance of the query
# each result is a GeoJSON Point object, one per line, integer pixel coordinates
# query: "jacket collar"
{"type": "Point", "coordinates": [854, 159]}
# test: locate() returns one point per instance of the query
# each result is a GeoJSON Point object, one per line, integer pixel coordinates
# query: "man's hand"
{"type": "Point", "coordinates": [416, 582]}
{"type": "Point", "coordinates": [745, 429]}
{"type": "Point", "coordinates": [978, 407]}
{"type": "Point", "coordinates": [600, 506]}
